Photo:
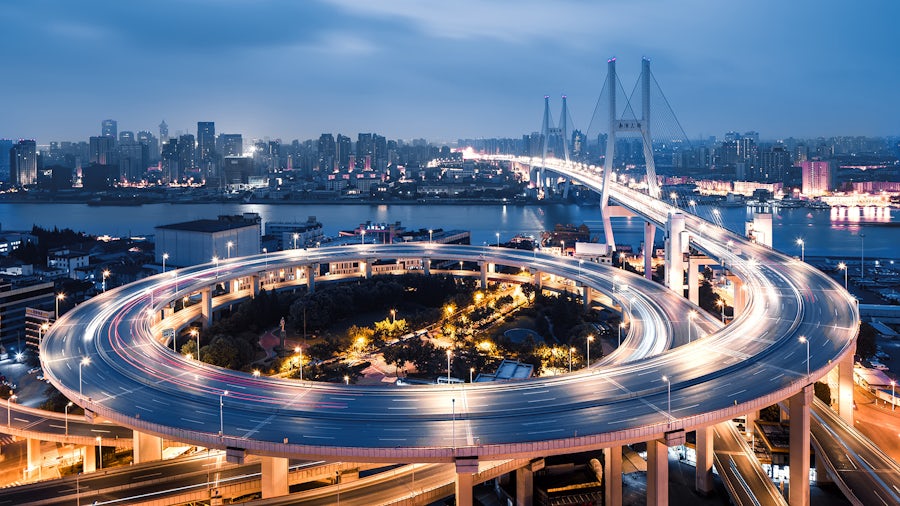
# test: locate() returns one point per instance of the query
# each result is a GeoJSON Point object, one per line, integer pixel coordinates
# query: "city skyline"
{"type": "Point", "coordinates": [442, 71]}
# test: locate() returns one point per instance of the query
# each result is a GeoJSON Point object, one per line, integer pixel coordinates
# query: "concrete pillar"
{"type": "Point", "coordinates": [274, 471]}
{"type": "Point", "coordinates": [34, 453]}
{"type": "Point", "coordinates": [426, 266]}
{"type": "Point", "coordinates": [740, 294]}
{"type": "Point", "coordinates": [649, 236]}
{"type": "Point", "coordinates": [206, 306]}
{"type": "Point", "coordinates": [751, 417]}
{"type": "Point", "coordinates": [524, 486]}
{"type": "Point", "coordinates": [612, 476]}
{"type": "Point", "coordinates": [586, 295]}
{"type": "Point", "coordinates": [254, 284]}
{"type": "Point", "coordinates": [147, 447]}
{"type": "Point", "coordinates": [310, 278]}
{"type": "Point", "coordinates": [537, 281]}
{"type": "Point", "coordinates": [799, 405]}
{"type": "Point", "coordinates": [704, 478]}
{"type": "Point", "coordinates": [367, 267]}
{"type": "Point", "coordinates": [694, 263]}
{"type": "Point", "coordinates": [484, 272]}
{"type": "Point", "coordinates": [657, 473]}
{"type": "Point", "coordinates": [675, 248]}
{"type": "Point", "coordinates": [845, 388]}
{"type": "Point", "coordinates": [465, 480]}
{"type": "Point", "coordinates": [89, 459]}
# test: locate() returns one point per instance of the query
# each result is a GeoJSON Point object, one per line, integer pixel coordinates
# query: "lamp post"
{"type": "Point", "coordinates": [105, 275]}
{"type": "Point", "coordinates": [691, 315]}
{"type": "Point", "coordinates": [449, 354]}
{"type": "Point", "coordinates": [60, 296]}
{"type": "Point", "coordinates": [222, 412]}
{"type": "Point", "coordinates": [196, 333]}
{"type": "Point", "coordinates": [393, 316]}
{"type": "Point", "coordinates": [668, 396]}
{"type": "Point", "coordinates": [498, 239]}
{"type": "Point", "coordinates": [430, 235]}
{"type": "Point", "coordinates": [471, 374]}
{"type": "Point", "coordinates": [721, 304]}
{"type": "Point", "coordinates": [9, 410]}
{"type": "Point", "coordinates": [804, 339]}
{"type": "Point", "coordinates": [346, 379]}
{"type": "Point", "coordinates": [362, 236]}
{"type": "Point", "coordinates": [802, 249]}
{"type": "Point", "coordinates": [228, 245]}
{"type": "Point", "coordinates": [571, 351]}
{"type": "Point", "coordinates": [84, 361]}
{"type": "Point", "coordinates": [215, 259]}
{"type": "Point", "coordinates": [299, 351]}
{"type": "Point", "coordinates": [589, 339]}
{"type": "Point", "coordinates": [43, 328]}
{"type": "Point", "coordinates": [580, 263]}
{"type": "Point", "coordinates": [69, 405]}
{"type": "Point", "coordinates": [295, 236]}
{"type": "Point", "coordinates": [266, 253]}
{"type": "Point", "coordinates": [843, 267]}
{"type": "Point", "coordinates": [100, 448]}
{"type": "Point", "coordinates": [165, 256]}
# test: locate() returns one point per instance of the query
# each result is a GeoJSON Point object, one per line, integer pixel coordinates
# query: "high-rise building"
{"type": "Point", "coordinates": [101, 149]}
{"type": "Point", "coordinates": [169, 159]}
{"type": "Point", "coordinates": [151, 142]}
{"type": "Point", "coordinates": [163, 135]}
{"type": "Point", "coordinates": [109, 128]}
{"type": "Point", "coordinates": [232, 144]}
{"type": "Point", "coordinates": [816, 177]}
{"type": "Point", "coordinates": [23, 162]}
{"type": "Point", "coordinates": [326, 150]}
{"type": "Point", "coordinates": [5, 146]}
{"type": "Point", "coordinates": [206, 148]}
{"type": "Point", "coordinates": [187, 155]}
{"type": "Point", "coordinates": [342, 155]}
{"type": "Point", "coordinates": [126, 136]}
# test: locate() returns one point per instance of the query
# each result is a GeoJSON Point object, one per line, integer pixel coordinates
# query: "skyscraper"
{"type": "Point", "coordinates": [232, 144]}
{"type": "Point", "coordinates": [816, 177]}
{"type": "Point", "coordinates": [109, 128]}
{"type": "Point", "coordinates": [101, 149]}
{"type": "Point", "coordinates": [23, 162]}
{"type": "Point", "coordinates": [342, 151]}
{"type": "Point", "coordinates": [326, 150]}
{"type": "Point", "coordinates": [163, 134]}
{"type": "Point", "coordinates": [206, 148]}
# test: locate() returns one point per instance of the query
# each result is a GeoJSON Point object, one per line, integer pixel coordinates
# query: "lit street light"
{"type": "Point", "coordinates": [802, 249]}
{"type": "Point", "coordinates": [69, 405]}
{"type": "Point", "coordinates": [165, 256]}
{"type": "Point", "coordinates": [430, 235]}
{"type": "Point", "coordinates": [100, 448]}
{"type": "Point", "coordinates": [721, 304]}
{"type": "Point", "coordinates": [41, 330]}
{"type": "Point", "coordinates": [893, 404]}
{"type": "Point", "coordinates": [621, 326]}
{"type": "Point", "coordinates": [498, 239]}
{"type": "Point", "coordinates": [295, 236]}
{"type": "Point", "coordinates": [222, 412]}
{"type": "Point", "coordinates": [84, 361]}
{"type": "Point", "coordinates": [449, 354]}
{"type": "Point", "coordinates": [9, 410]}
{"type": "Point", "coordinates": [362, 236]}
{"type": "Point", "coordinates": [393, 316]}
{"type": "Point", "coordinates": [346, 379]}
{"type": "Point", "coordinates": [589, 339]}
{"type": "Point", "coordinates": [60, 296]}
{"type": "Point", "coordinates": [668, 396]}
{"type": "Point", "coordinates": [105, 275]}
{"type": "Point", "coordinates": [228, 245]}
{"type": "Point", "coordinates": [299, 351]}
{"type": "Point", "coordinates": [803, 339]}
{"type": "Point", "coordinates": [215, 259]}
{"type": "Point", "coordinates": [196, 333]}
{"type": "Point", "coordinates": [471, 374]}
{"type": "Point", "coordinates": [571, 351]}
{"type": "Point", "coordinates": [843, 267]}
{"type": "Point", "coordinates": [691, 315]}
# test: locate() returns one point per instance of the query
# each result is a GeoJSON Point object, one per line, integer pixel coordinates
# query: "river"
{"type": "Point", "coordinates": [823, 233]}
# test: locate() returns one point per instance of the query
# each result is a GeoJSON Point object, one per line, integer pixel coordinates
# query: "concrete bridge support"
{"type": "Point", "coordinates": [676, 245]}
{"type": "Point", "coordinates": [649, 236]}
{"type": "Point", "coordinates": [612, 476]}
{"type": "Point", "coordinates": [485, 267]}
{"type": "Point", "coordinates": [586, 295]}
{"type": "Point", "coordinates": [694, 276]}
{"type": "Point", "coordinates": [465, 480]}
{"type": "Point", "coordinates": [33, 450]}
{"type": "Point", "coordinates": [704, 478]}
{"type": "Point", "coordinates": [799, 405]}
{"type": "Point", "coordinates": [146, 447]}
{"type": "Point", "coordinates": [89, 459]}
{"type": "Point", "coordinates": [254, 285]}
{"type": "Point", "coordinates": [367, 268]}
{"type": "Point", "coordinates": [537, 280]}
{"type": "Point", "coordinates": [426, 266]}
{"type": "Point", "coordinates": [657, 473]}
{"type": "Point", "coordinates": [274, 471]}
{"type": "Point", "coordinates": [310, 278]}
{"type": "Point", "coordinates": [845, 387]}
{"type": "Point", "coordinates": [740, 295]}
{"type": "Point", "coordinates": [524, 486]}
{"type": "Point", "coordinates": [206, 306]}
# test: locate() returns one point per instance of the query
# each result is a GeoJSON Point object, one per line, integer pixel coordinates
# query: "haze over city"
{"type": "Point", "coordinates": [442, 70]}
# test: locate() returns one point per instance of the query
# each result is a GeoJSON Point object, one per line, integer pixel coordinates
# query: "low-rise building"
{"type": "Point", "coordinates": [198, 241]}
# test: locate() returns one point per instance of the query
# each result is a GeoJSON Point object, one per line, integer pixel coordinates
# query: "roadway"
{"type": "Point", "coordinates": [135, 381]}
{"type": "Point", "coordinates": [740, 470]}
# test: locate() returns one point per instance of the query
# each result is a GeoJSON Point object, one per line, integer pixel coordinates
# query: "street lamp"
{"type": "Point", "coordinates": [165, 256]}
{"type": "Point", "coordinates": [803, 339]}
{"type": "Point", "coordinates": [60, 296]}
{"type": "Point", "coordinates": [362, 236]}
{"type": "Point", "coordinates": [393, 316]}
{"type": "Point", "coordinates": [449, 354]}
{"type": "Point", "coordinates": [621, 326]}
{"type": "Point", "coordinates": [721, 304]}
{"type": "Point", "coordinates": [215, 259]}
{"type": "Point", "coordinates": [100, 448]}
{"type": "Point", "coordinates": [802, 249]}
{"type": "Point", "coordinates": [69, 405]}
{"type": "Point", "coordinates": [893, 404]}
{"type": "Point", "coordinates": [84, 361]}
{"type": "Point", "coordinates": [580, 263]}
{"type": "Point", "coordinates": [691, 315]}
{"type": "Point", "coordinates": [843, 267]}
{"type": "Point", "coordinates": [668, 396]}
{"type": "Point", "coordinates": [571, 351]}
{"type": "Point", "coordinates": [196, 333]}
{"type": "Point", "coordinates": [43, 328]}
{"type": "Point", "coordinates": [228, 245]}
{"type": "Point", "coordinates": [105, 275]}
{"type": "Point", "coordinates": [589, 339]}
{"type": "Point", "coordinates": [346, 379]}
{"type": "Point", "coordinates": [9, 410]}
{"type": "Point", "coordinates": [296, 236]}
{"type": "Point", "coordinates": [498, 239]}
{"type": "Point", "coordinates": [299, 351]}
{"type": "Point", "coordinates": [471, 374]}
{"type": "Point", "coordinates": [430, 235]}
{"type": "Point", "coordinates": [222, 412]}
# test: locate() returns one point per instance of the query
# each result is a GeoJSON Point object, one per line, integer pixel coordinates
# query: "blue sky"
{"type": "Point", "coordinates": [443, 69]}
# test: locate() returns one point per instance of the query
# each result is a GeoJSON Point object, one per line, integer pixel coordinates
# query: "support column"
{"type": "Point", "coordinates": [657, 473]}
{"type": "Point", "coordinates": [147, 447]}
{"type": "Point", "coordinates": [484, 273]}
{"type": "Point", "coordinates": [465, 480]}
{"type": "Point", "coordinates": [524, 486]}
{"type": "Point", "coordinates": [586, 297]}
{"type": "Point", "coordinates": [704, 478]}
{"type": "Point", "coordinates": [310, 278]}
{"type": "Point", "coordinates": [274, 471]}
{"type": "Point", "coordinates": [649, 236]}
{"type": "Point", "coordinates": [367, 268]}
{"type": "Point", "coordinates": [254, 284]}
{"type": "Point", "coordinates": [426, 266]}
{"type": "Point", "coordinates": [799, 405]}
{"type": "Point", "coordinates": [206, 306]}
{"type": "Point", "coordinates": [34, 453]}
{"type": "Point", "coordinates": [740, 295]}
{"type": "Point", "coordinates": [612, 476]}
{"type": "Point", "coordinates": [675, 249]}
{"type": "Point", "coordinates": [537, 281]}
{"type": "Point", "coordinates": [693, 282]}
{"type": "Point", "coordinates": [89, 458]}
{"type": "Point", "coordinates": [845, 387]}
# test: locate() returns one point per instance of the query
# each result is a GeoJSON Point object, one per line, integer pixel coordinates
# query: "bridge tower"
{"type": "Point", "coordinates": [616, 124]}
{"type": "Point", "coordinates": [549, 137]}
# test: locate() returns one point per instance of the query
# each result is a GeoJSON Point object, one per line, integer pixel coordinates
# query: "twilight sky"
{"type": "Point", "coordinates": [443, 69]}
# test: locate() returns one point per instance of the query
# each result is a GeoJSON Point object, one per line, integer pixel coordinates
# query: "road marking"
{"type": "Point", "coordinates": [192, 421]}
{"type": "Point", "coordinates": [145, 476]}
{"type": "Point", "coordinates": [318, 437]}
